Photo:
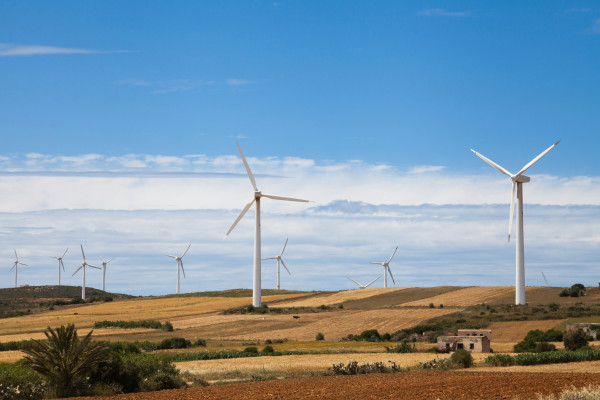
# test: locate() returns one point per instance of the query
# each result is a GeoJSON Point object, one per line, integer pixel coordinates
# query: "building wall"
{"type": "Point", "coordinates": [475, 332]}
{"type": "Point", "coordinates": [586, 328]}
{"type": "Point", "coordinates": [476, 344]}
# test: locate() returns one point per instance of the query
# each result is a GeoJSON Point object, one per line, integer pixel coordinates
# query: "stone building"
{"type": "Point", "coordinates": [472, 340]}
{"type": "Point", "coordinates": [476, 332]}
{"type": "Point", "coordinates": [588, 328]}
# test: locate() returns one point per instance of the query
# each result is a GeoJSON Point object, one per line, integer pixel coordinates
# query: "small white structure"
{"type": "Point", "coordinates": [16, 266]}
{"type": "Point", "coordinates": [256, 276]}
{"type": "Point", "coordinates": [280, 261]}
{"type": "Point", "coordinates": [60, 264]}
{"type": "Point", "coordinates": [517, 193]}
{"type": "Point", "coordinates": [83, 265]}
{"type": "Point", "coordinates": [367, 285]}
{"type": "Point", "coordinates": [104, 271]}
{"type": "Point", "coordinates": [180, 264]}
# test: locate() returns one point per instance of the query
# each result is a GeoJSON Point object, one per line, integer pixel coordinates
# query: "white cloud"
{"type": "Point", "coordinates": [239, 82]}
{"type": "Point", "coordinates": [440, 12]}
{"type": "Point", "coordinates": [420, 169]}
{"type": "Point", "coordinates": [9, 49]}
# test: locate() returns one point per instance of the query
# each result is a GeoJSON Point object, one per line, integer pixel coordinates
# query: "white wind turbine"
{"type": "Point", "coordinates": [61, 264]}
{"type": "Point", "coordinates": [256, 277]}
{"type": "Point", "coordinates": [16, 266]}
{"type": "Point", "coordinates": [104, 270]}
{"type": "Point", "coordinates": [367, 285]}
{"type": "Point", "coordinates": [180, 264]}
{"type": "Point", "coordinates": [83, 265]}
{"type": "Point", "coordinates": [517, 192]}
{"type": "Point", "coordinates": [547, 284]}
{"type": "Point", "coordinates": [387, 269]}
{"type": "Point", "coordinates": [280, 261]}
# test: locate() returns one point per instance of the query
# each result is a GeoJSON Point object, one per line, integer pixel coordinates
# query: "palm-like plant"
{"type": "Point", "coordinates": [64, 359]}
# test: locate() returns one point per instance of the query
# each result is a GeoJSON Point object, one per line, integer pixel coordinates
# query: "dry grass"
{"type": "Point", "coordinates": [339, 297]}
{"type": "Point", "coordinates": [11, 356]}
{"type": "Point", "coordinates": [136, 309]}
{"type": "Point", "coordinates": [515, 331]}
{"type": "Point", "coordinates": [465, 297]}
{"type": "Point", "coordinates": [305, 362]}
{"type": "Point", "coordinates": [592, 367]}
{"type": "Point", "coordinates": [333, 325]}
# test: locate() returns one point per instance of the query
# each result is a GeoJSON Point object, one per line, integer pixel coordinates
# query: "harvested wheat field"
{"type": "Point", "coordinates": [339, 297]}
{"type": "Point", "coordinates": [465, 297]}
{"type": "Point", "coordinates": [334, 324]}
{"type": "Point", "coordinates": [129, 310]}
{"type": "Point", "coordinates": [299, 363]}
{"type": "Point", "coordinates": [419, 385]}
{"type": "Point", "coordinates": [11, 356]}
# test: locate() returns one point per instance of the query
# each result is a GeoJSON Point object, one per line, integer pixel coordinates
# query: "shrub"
{"type": "Point", "coordinates": [251, 349]}
{"type": "Point", "coordinates": [268, 341]}
{"type": "Point", "coordinates": [19, 383]}
{"type": "Point", "coordinates": [353, 368]}
{"type": "Point", "coordinates": [575, 339]}
{"type": "Point", "coordinates": [268, 349]}
{"type": "Point", "coordinates": [200, 343]}
{"type": "Point", "coordinates": [536, 341]}
{"type": "Point", "coordinates": [175, 343]}
{"type": "Point", "coordinates": [64, 359]}
{"type": "Point", "coordinates": [438, 363]}
{"type": "Point", "coordinates": [403, 347]}
{"type": "Point", "coordinates": [431, 305]}
{"type": "Point", "coordinates": [462, 358]}
{"type": "Point", "coordinates": [320, 336]}
{"type": "Point", "coordinates": [500, 360]}
{"type": "Point", "coordinates": [370, 335]}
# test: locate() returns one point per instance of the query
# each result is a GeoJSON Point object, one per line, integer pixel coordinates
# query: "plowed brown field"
{"type": "Point", "coordinates": [421, 385]}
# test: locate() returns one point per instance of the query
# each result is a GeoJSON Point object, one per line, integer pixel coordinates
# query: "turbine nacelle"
{"type": "Point", "coordinates": [520, 178]}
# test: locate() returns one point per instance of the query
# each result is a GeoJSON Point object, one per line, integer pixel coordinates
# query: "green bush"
{"type": "Point", "coordinates": [320, 336]}
{"type": "Point", "coordinates": [20, 383]}
{"type": "Point", "coordinates": [403, 347]}
{"type": "Point", "coordinates": [438, 363]}
{"type": "Point", "coordinates": [149, 324]}
{"type": "Point", "coordinates": [251, 350]}
{"type": "Point", "coordinates": [536, 341]}
{"type": "Point", "coordinates": [268, 349]}
{"type": "Point", "coordinates": [462, 358]}
{"type": "Point", "coordinates": [175, 343]}
{"type": "Point", "coordinates": [200, 343]}
{"type": "Point", "coordinates": [370, 335]}
{"type": "Point", "coordinates": [574, 291]}
{"type": "Point", "coordinates": [500, 360]}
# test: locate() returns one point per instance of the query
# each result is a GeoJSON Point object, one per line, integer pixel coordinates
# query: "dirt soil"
{"type": "Point", "coordinates": [413, 385]}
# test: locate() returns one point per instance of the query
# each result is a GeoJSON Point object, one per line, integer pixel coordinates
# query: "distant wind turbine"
{"type": "Point", "coordinates": [83, 265]}
{"type": "Point", "coordinates": [60, 264]}
{"type": "Point", "coordinates": [179, 264]}
{"type": "Point", "coordinates": [104, 270]}
{"type": "Point", "coordinates": [280, 260]}
{"type": "Point", "coordinates": [256, 277]}
{"type": "Point", "coordinates": [517, 193]}
{"type": "Point", "coordinates": [367, 285]}
{"type": "Point", "coordinates": [387, 269]}
{"type": "Point", "coordinates": [16, 266]}
{"type": "Point", "coordinates": [547, 284]}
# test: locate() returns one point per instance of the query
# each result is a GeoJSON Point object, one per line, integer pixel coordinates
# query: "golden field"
{"type": "Point", "coordinates": [465, 297]}
{"type": "Point", "coordinates": [339, 297]}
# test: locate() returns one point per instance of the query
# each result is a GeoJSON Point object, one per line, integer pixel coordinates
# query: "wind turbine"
{"type": "Point", "coordinates": [180, 264]}
{"type": "Point", "coordinates": [367, 285]}
{"type": "Point", "coordinates": [16, 266]}
{"type": "Point", "coordinates": [60, 264]}
{"type": "Point", "coordinates": [104, 270]}
{"type": "Point", "coordinates": [256, 277]}
{"type": "Point", "coordinates": [83, 265]}
{"type": "Point", "coordinates": [386, 268]}
{"type": "Point", "coordinates": [547, 284]}
{"type": "Point", "coordinates": [279, 259]}
{"type": "Point", "coordinates": [517, 192]}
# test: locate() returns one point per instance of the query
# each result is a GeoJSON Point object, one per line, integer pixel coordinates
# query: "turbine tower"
{"type": "Point", "coordinates": [367, 285]}
{"type": "Point", "coordinates": [256, 277]}
{"type": "Point", "coordinates": [387, 269]}
{"type": "Point", "coordinates": [16, 266]}
{"type": "Point", "coordinates": [104, 270]}
{"type": "Point", "coordinates": [279, 261]}
{"type": "Point", "coordinates": [83, 265]}
{"type": "Point", "coordinates": [517, 192]}
{"type": "Point", "coordinates": [60, 264]}
{"type": "Point", "coordinates": [180, 264]}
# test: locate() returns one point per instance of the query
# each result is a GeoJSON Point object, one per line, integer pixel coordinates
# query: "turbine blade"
{"type": "Point", "coordinates": [244, 211]}
{"type": "Point", "coordinates": [77, 270]}
{"type": "Point", "coordinates": [493, 164]}
{"type": "Point", "coordinates": [542, 154]}
{"type": "Point", "coordinates": [394, 253]}
{"type": "Point", "coordinates": [110, 260]}
{"type": "Point", "coordinates": [182, 270]}
{"type": "Point", "coordinates": [390, 271]}
{"type": "Point", "coordinates": [269, 258]}
{"type": "Point", "coordinates": [82, 253]}
{"type": "Point", "coordinates": [186, 250]}
{"type": "Point", "coordinates": [284, 198]}
{"type": "Point", "coordinates": [62, 265]}
{"type": "Point", "coordinates": [378, 263]}
{"type": "Point", "coordinates": [285, 266]}
{"type": "Point", "coordinates": [247, 168]}
{"type": "Point", "coordinates": [168, 255]}
{"type": "Point", "coordinates": [16, 256]}
{"type": "Point", "coordinates": [373, 281]}
{"type": "Point", "coordinates": [13, 267]}
{"type": "Point", "coordinates": [359, 285]}
{"type": "Point", "coordinates": [23, 264]}
{"type": "Point", "coordinates": [93, 266]}
{"type": "Point", "coordinates": [280, 254]}
{"type": "Point", "coordinates": [512, 208]}
{"type": "Point", "coordinates": [64, 253]}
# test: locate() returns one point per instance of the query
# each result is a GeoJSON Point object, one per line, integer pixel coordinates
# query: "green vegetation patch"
{"type": "Point", "coordinates": [552, 357]}
{"type": "Point", "coordinates": [149, 324]}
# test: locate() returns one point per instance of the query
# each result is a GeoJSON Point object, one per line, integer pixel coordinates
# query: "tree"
{"type": "Point", "coordinates": [64, 359]}
{"type": "Point", "coordinates": [575, 339]}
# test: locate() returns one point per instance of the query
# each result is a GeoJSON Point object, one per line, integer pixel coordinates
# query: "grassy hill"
{"type": "Point", "coordinates": [35, 299]}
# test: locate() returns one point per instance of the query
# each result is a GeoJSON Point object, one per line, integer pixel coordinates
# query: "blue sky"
{"type": "Point", "coordinates": [117, 109]}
